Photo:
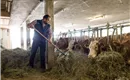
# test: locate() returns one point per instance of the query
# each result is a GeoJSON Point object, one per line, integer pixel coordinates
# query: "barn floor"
{"type": "Point", "coordinates": [31, 76]}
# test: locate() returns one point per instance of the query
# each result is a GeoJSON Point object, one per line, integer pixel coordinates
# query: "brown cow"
{"type": "Point", "coordinates": [62, 43]}
{"type": "Point", "coordinates": [122, 47]}
{"type": "Point", "coordinates": [82, 46]}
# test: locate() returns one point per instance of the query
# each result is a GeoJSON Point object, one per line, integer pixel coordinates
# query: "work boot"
{"type": "Point", "coordinates": [31, 66]}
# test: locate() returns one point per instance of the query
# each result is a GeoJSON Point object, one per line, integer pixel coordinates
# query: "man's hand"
{"type": "Point", "coordinates": [31, 25]}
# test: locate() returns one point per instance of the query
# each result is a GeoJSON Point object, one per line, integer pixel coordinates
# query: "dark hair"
{"type": "Point", "coordinates": [46, 16]}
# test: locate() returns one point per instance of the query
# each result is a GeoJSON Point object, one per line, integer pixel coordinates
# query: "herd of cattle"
{"type": "Point", "coordinates": [92, 47]}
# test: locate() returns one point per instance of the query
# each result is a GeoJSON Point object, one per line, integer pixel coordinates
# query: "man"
{"type": "Point", "coordinates": [38, 41]}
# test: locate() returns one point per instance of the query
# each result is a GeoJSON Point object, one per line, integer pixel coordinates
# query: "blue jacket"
{"type": "Point", "coordinates": [44, 30]}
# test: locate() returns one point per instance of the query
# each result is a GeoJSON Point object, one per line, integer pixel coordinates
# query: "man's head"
{"type": "Point", "coordinates": [46, 18]}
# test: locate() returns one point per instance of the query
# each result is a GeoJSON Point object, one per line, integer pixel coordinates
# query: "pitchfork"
{"type": "Point", "coordinates": [48, 40]}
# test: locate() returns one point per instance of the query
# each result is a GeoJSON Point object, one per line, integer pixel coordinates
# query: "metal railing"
{"type": "Point", "coordinates": [96, 32]}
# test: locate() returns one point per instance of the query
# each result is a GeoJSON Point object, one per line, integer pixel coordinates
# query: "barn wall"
{"type": "Point", "coordinates": [15, 37]}
{"type": "Point", "coordinates": [5, 38]}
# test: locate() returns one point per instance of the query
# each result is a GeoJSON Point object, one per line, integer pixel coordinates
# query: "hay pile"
{"type": "Point", "coordinates": [106, 66]}
{"type": "Point", "coordinates": [14, 62]}
{"type": "Point", "coordinates": [16, 58]}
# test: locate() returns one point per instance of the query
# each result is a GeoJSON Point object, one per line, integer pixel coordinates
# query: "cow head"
{"type": "Point", "coordinates": [62, 43]}
{"type": "Point", "coordinates": [71, 44]}
{"type": "Point", "coordinates": [93, 49]}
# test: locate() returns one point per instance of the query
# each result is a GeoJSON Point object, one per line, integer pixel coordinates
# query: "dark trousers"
{"type": "Point", "coordinates": [35, 45]}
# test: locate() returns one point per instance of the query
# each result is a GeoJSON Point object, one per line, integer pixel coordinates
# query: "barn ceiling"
{"type": "Point", "coordinates": [77, 14]}
{"type": "Point", "coordinates": [20, 10]}
{"type": "Point", "coordinates": [73, 14]}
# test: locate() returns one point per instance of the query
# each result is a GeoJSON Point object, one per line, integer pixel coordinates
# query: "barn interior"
{"type": "Point", "coordinates": [94, 34]}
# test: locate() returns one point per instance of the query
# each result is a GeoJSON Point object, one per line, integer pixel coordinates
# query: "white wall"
{"type": "Point", "coordinates": [5, 38]}
{"type": "Point", "coordinates": [15, 37]}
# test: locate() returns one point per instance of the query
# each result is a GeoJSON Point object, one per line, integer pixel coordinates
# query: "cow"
{"type": "Point", "coordinates": [65, 55]}
{"type": "Point", "coordinates": [62, 43]}
{"type": "Point", "coordinates": [79, 46]}
{"type": "Point", "coordinates": [93, 47]}
{"type": "Point", "coordinates": [121, 46]}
